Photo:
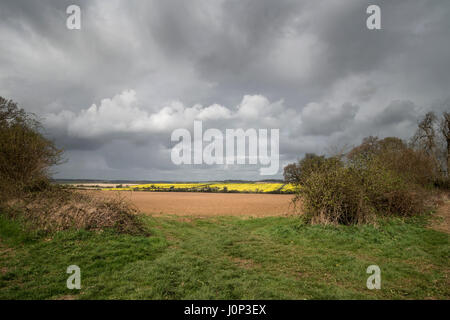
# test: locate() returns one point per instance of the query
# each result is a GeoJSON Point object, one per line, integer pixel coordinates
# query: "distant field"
{"type": "Point", "coordinates": [94, 185]}
{"type": "Point", "coordinates": [256, 187]}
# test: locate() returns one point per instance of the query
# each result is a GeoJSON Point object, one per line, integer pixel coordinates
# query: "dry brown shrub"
{"type": "Point", "coordinates": [379, 177]}
{"type": "Point", "coordinates": [333, 195]}
{"type": "Point", "coordinates": [59, 209]}
{"type": "Point", "coordinates": [389, 192]}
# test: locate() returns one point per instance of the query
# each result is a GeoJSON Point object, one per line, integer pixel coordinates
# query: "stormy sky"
{"type": "Point", "coordinates": [111, 93]}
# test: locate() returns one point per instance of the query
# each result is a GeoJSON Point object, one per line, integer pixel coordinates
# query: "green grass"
{"type": "Point", "coordinates": [228, 258]}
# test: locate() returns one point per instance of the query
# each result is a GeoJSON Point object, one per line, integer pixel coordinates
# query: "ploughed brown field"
{"type": "Point", "coordinates": [209, 204]}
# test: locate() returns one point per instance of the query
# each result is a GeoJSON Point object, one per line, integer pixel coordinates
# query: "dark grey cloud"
{"type": "Point", "coordinates": [310, 68]}
{"type": "Point", "coordinates": [396, 112]}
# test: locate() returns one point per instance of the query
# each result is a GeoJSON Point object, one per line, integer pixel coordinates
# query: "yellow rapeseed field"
{"type": "Point", "coordinates": [248, 187]}
{"type": "Point", "coordinates": [256, 187]}
{"type": "Point", "coordinates": [289, 188]}
{"type": "Point", "coordinates": [161, 186]}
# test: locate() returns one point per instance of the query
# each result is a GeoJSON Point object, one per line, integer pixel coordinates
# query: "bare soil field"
{"type": "Point", "coordinates": [208, 204]}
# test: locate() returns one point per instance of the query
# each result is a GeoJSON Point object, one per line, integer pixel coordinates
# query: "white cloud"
{"type": "Point", "coordinates": [123, 120]}
{"type": "Point", "coordinates": [125, 114]}
{"type": "Point", "coordinates": [214, 112]}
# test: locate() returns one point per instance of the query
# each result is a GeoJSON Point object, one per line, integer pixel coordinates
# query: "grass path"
{"type": "Point", "coordinates": [228, 258]}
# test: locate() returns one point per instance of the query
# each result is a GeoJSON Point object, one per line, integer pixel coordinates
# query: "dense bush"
{"type": "Point", "coordinates": [379, 177]}
{"type": "Point", "coordinates": [25, 154]}
{"type": "Point", "coordinates": [391, 153]}
{"type": "Point", "coordinates": [333, 194]}
{"type": "Point", "coordinates": [389, 192]}
{"type": "Point", "coordinates": [393, 175]}
{"type": "Point", "coordinates": [296, 173]}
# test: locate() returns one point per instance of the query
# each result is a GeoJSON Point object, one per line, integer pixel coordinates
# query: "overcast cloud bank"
{"type": "Point", "coordinates": [112, 92]}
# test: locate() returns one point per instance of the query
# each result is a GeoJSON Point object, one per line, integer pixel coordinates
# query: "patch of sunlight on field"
{"type": "Point", "coordinates": [248, 187]}
{"type": "Point", "coordinates": [289, 188]}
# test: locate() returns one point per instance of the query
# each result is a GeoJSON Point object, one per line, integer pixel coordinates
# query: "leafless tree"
{"type": "Point", "coordinates": [425, 137]}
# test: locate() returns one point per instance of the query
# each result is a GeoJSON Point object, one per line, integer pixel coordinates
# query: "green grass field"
{"type": "Point", "coordinates": [228, 258]}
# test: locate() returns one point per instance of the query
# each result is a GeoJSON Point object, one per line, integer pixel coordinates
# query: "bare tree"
{"type": "Point", "coordinates": [425, 137]}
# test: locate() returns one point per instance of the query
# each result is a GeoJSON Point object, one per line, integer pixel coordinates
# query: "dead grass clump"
{"type": "Point", "coordinates": [60, 209]}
